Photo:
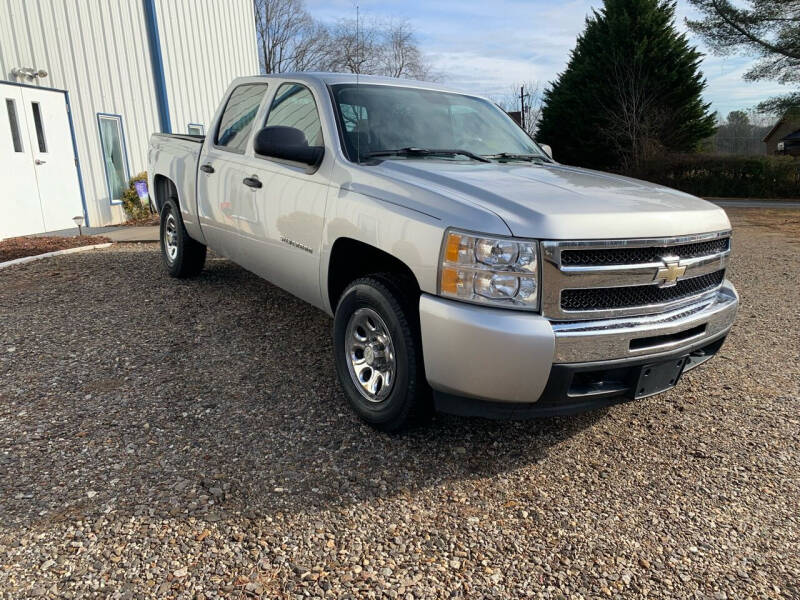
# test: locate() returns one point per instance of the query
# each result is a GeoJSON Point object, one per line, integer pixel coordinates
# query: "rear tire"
{"type": "Point", "coordinates": [183, 257]}
{"type": "Point", "coordinates": [378, 353]}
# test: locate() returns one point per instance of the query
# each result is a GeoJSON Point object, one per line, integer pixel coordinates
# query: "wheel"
{"type": "Point", "coordinates": [378, 353]}
{"type": "Point", "coordinates": [183, 256]}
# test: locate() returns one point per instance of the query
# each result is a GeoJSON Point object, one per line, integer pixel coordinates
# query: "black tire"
{"type": "Point", "coordinates": [184, 257]}
{"type": "Point", "coordinates": [409, 400]}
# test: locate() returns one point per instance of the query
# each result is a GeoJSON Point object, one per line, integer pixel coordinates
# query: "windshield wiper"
{"type": "Point", "coordinates": [428, 152]}
{"type": "Point", "coordinates": [512, 156]}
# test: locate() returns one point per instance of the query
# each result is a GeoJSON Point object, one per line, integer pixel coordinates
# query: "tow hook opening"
{"type": "Point", "coordinates": [667, 339]}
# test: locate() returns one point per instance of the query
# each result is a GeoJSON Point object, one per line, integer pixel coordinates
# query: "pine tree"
{"type": "Point", "coordinates": [632, 89]}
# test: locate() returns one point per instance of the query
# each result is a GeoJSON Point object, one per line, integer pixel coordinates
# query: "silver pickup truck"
{"type": "Point", "coordinates": [466, 271]}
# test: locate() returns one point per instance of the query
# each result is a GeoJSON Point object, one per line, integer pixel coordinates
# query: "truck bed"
{"type": "Point", "coordinates": [182, 136]}
{"type": "Point", "coordinates": [175, 157]}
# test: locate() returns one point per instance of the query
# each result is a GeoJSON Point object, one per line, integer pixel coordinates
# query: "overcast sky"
{"type": "Point", "coordinates": [486, 46]}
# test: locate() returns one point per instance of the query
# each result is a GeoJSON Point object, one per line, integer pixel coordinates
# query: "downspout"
{"type": "Point", "coordinates": [160, 82]}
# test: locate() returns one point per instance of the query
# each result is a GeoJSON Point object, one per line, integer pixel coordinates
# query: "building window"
{"type": "Point", "coordinates": [112, 141]}
{"type": "Point", "coordinates": [37, 121]}
{"type": "Point", "coordinates": [13, 123]}
{"type": "Point", "coordinates": [237, 118]}
{"type": "Point", "coordinates": [196, 129]}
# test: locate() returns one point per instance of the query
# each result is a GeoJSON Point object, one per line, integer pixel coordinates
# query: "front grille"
{"type": "Point", "coordinates": [640, 295]}
{"type": "Point", "coordinates": [650, 254]}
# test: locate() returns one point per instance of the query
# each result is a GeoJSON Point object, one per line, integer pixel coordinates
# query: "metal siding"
{"type": "Point", "coordinates": [201, 59]}
{"type": "Point", "coordinates": [98, 52]}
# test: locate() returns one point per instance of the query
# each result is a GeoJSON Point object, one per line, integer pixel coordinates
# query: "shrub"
{"type": "Point", "coordinates": [134, 208]}
{"type": "Point", "coordinates": [718, 175]}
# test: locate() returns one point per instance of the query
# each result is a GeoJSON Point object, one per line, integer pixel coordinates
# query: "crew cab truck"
{"type": "Point", "coordinates": [465, 270]}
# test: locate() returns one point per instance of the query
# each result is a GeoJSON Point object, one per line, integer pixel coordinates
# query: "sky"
{"type": "Point", "coordinates": [487, 46]}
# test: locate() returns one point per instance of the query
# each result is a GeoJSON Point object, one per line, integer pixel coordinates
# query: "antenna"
{"type": "Point", "coordinates": [358, 107]}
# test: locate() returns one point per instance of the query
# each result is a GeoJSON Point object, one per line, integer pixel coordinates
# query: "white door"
{"type": "Point", "coordinates": [50, 138]}
{"type": "Point", "coordinates": [20, 210]}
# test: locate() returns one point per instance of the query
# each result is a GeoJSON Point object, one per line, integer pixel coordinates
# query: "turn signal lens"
{"type": "Point", "coordinates": [488, 270]}
{"type": "Point", "coordinates": [450, 281]}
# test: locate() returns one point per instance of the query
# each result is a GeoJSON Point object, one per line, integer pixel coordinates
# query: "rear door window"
{"type": "Point", "coordinates": [237, 119]}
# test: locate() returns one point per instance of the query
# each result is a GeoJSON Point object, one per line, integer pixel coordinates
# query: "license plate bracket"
{"type": "Point", "coordinates": [658, 377]}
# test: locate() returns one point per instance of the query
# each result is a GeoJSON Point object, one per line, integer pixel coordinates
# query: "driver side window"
{"type": "Point", "coordinates": [294, 106]}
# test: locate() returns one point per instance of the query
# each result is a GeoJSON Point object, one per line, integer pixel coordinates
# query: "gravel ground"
{"type": "Point", "coordinates": [161, 438]}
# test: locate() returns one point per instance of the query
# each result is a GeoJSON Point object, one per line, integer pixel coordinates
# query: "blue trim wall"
{"type": "Point", "coordinates": [157, 61]}
{"type": "Point", "coordinates": [103, 153]}
{"type": "Point", "coordinates": [77, 161]}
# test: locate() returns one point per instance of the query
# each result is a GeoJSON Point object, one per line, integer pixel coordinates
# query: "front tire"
{"type": "Point", "coordinates": [183, 257]}
{"type": "Point", "coordinates": [378, 353]}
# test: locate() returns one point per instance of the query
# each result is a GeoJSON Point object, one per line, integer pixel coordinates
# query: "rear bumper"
{"type": "Point", "coordinates": [523, 362]}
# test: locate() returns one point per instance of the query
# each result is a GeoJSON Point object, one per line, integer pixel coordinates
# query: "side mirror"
{"type": "Point", "coordinates": [287, 143]}
{"type": "Point", "coordinates": [547, 149]}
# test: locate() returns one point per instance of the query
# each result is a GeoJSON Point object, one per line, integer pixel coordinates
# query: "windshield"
{"type": "Point", "coordinates": [383, 118]}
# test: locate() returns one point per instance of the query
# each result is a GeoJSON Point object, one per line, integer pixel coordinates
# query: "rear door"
{"type": "Point", "coordinates": [223, 167]}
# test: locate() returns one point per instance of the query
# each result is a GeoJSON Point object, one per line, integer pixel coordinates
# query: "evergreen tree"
{"type": "Point", "coordinates": [769, 29]}
{"type": "Point", "coordinates": [632, 88]}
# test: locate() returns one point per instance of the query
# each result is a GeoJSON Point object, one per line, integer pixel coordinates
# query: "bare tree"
{"type": "Point", "coordinates": [354, 48]}
{"type": "Point", "coordinates": [373, 47]}
{"type": "Point", "coordinates": [740, 133]}
{"type": "Point", "coordinates": [289, 39]}
{"type": "Point", "coordinates": [631, 113]}
{"type": "Point", "coordinates": [401, 57]}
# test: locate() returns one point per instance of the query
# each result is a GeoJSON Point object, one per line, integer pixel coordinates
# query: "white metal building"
{"type": "Point", "coordinates": [83, 84]}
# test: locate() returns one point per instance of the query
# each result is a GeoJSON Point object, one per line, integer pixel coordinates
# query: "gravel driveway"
{"type": "Point", "coordinates": [188, 439]}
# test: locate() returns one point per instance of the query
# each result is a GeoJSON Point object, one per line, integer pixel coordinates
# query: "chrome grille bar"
{"type": "Point", "coordinates": [606, 277]}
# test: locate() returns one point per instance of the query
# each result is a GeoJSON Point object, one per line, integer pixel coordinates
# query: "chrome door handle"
{"type": "Point", "coordinates": [39, 162]}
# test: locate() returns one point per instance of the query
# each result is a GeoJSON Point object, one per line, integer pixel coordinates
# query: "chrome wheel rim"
{"type": "Point", "coordinates": [171, 238]}
{"type": "Point", "coordinates": [370, 355]}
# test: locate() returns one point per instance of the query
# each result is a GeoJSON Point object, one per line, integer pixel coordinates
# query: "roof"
{"type": "Point", "coordinates": [334, 78]}
{"type": "Point", "coordinates": [789, 114]}
{"type": "Point", "coordinates": [791, 137]}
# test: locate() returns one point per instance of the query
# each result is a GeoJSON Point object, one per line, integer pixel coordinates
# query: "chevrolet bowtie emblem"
{"type": "Point", "coordinates": [668, 275]}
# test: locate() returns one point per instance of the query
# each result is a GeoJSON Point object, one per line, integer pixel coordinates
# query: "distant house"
{"type": "Point", "coordinates": [784, 137]}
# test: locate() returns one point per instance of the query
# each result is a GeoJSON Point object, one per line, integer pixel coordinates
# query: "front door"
{"type": "Point", "coordinates": [282, 221]}
{"type": "Point", "coordinates": [39, 161]}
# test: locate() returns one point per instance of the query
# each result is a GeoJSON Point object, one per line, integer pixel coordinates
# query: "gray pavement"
{"type": "Point", "coordinates": [133, 234]}
{"type": "Point", "coordinates": [745, 203]}
{"type": "Point", "coordinates": [114, 233]}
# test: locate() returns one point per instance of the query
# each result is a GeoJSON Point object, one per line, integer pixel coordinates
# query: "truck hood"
{"type": "Point", "coordinates": [560, 202]}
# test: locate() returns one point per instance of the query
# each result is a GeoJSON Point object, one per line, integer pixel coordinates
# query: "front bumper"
{"type": "Point", "coordinates": [505, 358]}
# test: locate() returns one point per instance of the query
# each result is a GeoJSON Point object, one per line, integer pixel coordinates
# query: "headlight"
{"type": "Point", "coordinates": [489, 270]}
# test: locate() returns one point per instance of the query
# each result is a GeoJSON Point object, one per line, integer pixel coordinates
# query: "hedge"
{"type": "Point", "coordinates": [134, 208]}
{"type": "Point", "coordinates": [719, 175]}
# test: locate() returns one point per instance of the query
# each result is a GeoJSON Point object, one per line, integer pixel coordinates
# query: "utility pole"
{"type": "Point", "coordinates": [522, 96]}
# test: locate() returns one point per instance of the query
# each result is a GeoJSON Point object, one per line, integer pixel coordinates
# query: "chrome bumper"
{"type": "Point", "coordinates": [685, 328]}
{"type": "Point", "coordinates": [510, 356]}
